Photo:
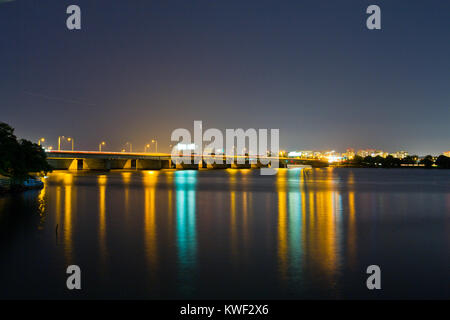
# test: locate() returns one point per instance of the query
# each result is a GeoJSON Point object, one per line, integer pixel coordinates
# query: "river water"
{"type": "Point", "coordinates": [212, 234]}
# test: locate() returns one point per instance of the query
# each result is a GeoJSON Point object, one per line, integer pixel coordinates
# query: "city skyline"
{"type": "Point", "coordinates": [310, 69]}
{"type": "Point", "coordinates": [65, 143]}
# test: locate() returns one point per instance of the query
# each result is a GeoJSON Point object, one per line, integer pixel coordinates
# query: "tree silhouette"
{"type": "Point", "coordinates": [427, 161]}
{"type": "Point", "coordinates": [19, 158]}
{"type": "Point", "coordinates": [443, 162]}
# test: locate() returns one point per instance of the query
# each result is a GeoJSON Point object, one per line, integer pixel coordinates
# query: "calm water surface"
{"type": "Point", "coordinates": [229, 234]}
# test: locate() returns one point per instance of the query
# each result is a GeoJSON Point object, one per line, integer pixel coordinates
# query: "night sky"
{"type": "Point", "coordinates": [139, 69]}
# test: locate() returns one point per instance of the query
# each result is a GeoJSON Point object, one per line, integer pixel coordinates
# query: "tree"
{"type": "Point", "coordinates": [34, 157]}
{"type": "Point", "coordinates": [379, 161]}
{"type": "Point", "coordinates": [9, 150]}
{"type": "Point", "coordinates": [409, 160]}
{"type": "Point", "coordinates": [357, 160]}
{"type": "Point", "coordinates": [391, 162]}
{"type": "Point", "coordinates": [369, 161]}
{"type": "Point", "coordinates": [427, 161]}
{"type": "Point", "coordinates": [443, 162]}
{"type": "Point", "coordinates": [18, 158]}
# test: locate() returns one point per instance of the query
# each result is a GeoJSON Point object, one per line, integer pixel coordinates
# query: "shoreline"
{"type": "Point", "coordinates": [7, 185]}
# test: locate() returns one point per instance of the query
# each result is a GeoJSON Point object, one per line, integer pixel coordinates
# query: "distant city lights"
{"type": "Point", "coordinates": [182, 146]}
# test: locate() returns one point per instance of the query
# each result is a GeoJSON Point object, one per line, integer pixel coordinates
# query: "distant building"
{"type": "Point", "coordinates": [349, 155]}
{"type": "Point", "coordinates": [447, 154]}
{"type": "Point", "coordinates": [400, 154]}
{"type": "Point", "coordinates": [363, 153]}
{"type": "Point", "coordinates": [372, 152]}
{"type": "Point", "coordinates": [317, 155]}
{"type": "Point", "coordinates": [301, 154]}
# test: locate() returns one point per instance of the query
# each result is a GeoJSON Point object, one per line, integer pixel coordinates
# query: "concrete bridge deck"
{"type": "Point", "coordinates": [94, 160]}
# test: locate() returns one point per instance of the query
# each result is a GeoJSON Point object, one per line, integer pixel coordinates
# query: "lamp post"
{"type": "Point", "coordinates": [156, 144]}
{"type": "Point", "coordinates": [100, 145]}
{"type": "Point", "coordinates": [70, 140]}
{"type": "Point", "coordinates": [146, 147]}
{"type": "Point", "coordinates": [41, 140]}
{"type": "Point", "coordinates": [131, 146]}
{"type": "Point", "coordinates": [59, 142]}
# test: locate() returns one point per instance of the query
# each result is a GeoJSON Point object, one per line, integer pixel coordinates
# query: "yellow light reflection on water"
{"type": "Point", "coordinates": [321, 236]}
{"type": "Point", "coordinates": [233, 225]}
{"type": "Point", "coordinates": [150, 181]}
{"type": "Point", "coordinates": [68, 248]}
{"type": "Point", "coordinates": [126, 178]}
{"type": "Point", "coordinates": [102, 181]}
{"type": "Point", "coordinates": [282, 222]}
{"type": "Point", "coordinates": [42, 206]}
{"type": "Point", "coordinates": [58, 205]}
{"type": "Point", "coordinates": [351, 222]}
{"type": "Point", "coordinates": [245, 218]}
{"type": "Point", "coordinates": [309, 223]}
{"type": "Point", "coordinates": [170, 179]}
{"type": "Point", "coordinates": [232, 176]}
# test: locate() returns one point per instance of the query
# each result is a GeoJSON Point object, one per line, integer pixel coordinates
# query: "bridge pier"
{"type": "Point", "coordinates": [148, 164]}
{"type": "Point", "coordinates": [121, 164]}
{"type": "Point", "coordinates": [282, 164]}
{"type": "Point", "coordinates": [96, 164]}
{"type": "Point", "coordinates": [187, 166]}
{"type": "Point", "coordinates": [218, 165]}
{"type": "Point", "coordinates": [241, 163]}
{"type": "Point", "coordinates": [241, 166]}
{"type": "Point", "coordinates": [216, 162]}
{"type": "Point", "coordinates": [258, 165]}
{"type": "Point", "coordinates": [60, 164]}
{"type": "Point", "coordinates": [166, 164]}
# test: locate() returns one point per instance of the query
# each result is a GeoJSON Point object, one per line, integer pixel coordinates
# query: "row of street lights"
{"type": "Point", "coordinates": [147, 146]}
{"type": "Point", "coordinates": [100, 145]}
{"type": "Point", "coordinates": [68, 139]}
{"type": "Point", "coordinates": [41, 140]}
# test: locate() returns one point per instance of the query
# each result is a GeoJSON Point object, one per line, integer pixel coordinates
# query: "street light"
{"type": "Point", "coordinates": [156, 145]}
{"type": "Point", "coordinates": [100, 145]}
{"type": "Point", "coordinates": [131, 146]}
{"type": "Point", "coordinates": [59, 142]}
{"type": "Point", "coordinates": [70, 140]}
{"type": "Point", "coordinates": [146, 146]}
{"type": "Point", "coordinates": [41, 140]}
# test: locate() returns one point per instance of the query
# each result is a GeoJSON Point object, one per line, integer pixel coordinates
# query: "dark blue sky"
{"type": "Point", "coordinates": [139, 69]}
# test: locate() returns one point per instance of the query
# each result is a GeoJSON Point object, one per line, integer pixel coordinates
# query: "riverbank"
{"type": "Point", "coordinates": [8, 184]}
{"type": "Point", "coordinates": [417, 166]}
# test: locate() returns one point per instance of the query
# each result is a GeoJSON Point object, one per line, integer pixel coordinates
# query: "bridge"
{"type": "Point", "coordinates": [94, 160]}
